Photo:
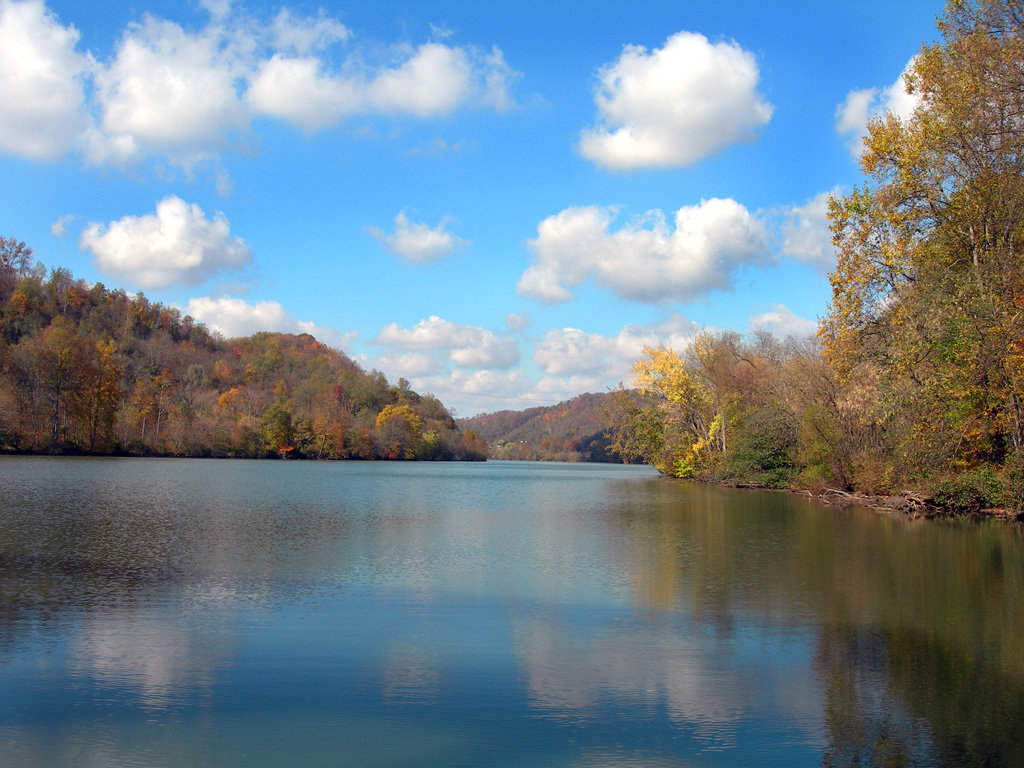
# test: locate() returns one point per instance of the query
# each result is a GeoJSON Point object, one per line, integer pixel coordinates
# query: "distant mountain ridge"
{"type": "Point", "coordinates": [573, 430]}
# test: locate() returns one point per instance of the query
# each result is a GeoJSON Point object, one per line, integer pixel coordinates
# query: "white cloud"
{"type": "Point", "coordinates": [466, 366]}
{"type": "Point", "coordinates": [169, 91]}
{"type": "Point", "coordinates": [41, 82]}
{"type": "Point", "coordinates": [237, 317]}
{"type": "Point", "coordinates": [410, 364]}
{"type": "Point", "coordinates": [644, 260]}
{"type": "Point", "coordinates": [570, 361]}
{"type": "Point", "coordinates": [178, 245]}
{"type": "Point", "coordinates": [304, 35]}
{"type": "Point", "coordinates": [465, 345]}
{"type": "Point", "coordinates": [59, 228]}
{"type": "Point", "coordinates": [862, 106]}
{"type": "Point", "coordinates": [217, 8]}
{"type": "Point", "coordinates": [187, 95]}
{"type": "Point", "coordinates": [573, 362]}
{"type": "Point", "coordinates": [431, 80]}
{"type": "Point", "coordinates": [498, 79]}
{"type": "Point", "coordinates": [806, 235]}
{"type": "Point", "coordinates": [674, 105]}
{"type": "Point", "coordinates": [297, 89]}
{"type": "Point", "coordinates": [472, 392]}
{"type": "Point", "coordinates": [572, 352]}
{"type": "Point", "coordinates": [782, 323]}
{"type": "Point", "coordinates": [516, 322]}
{"type": "Point", "coordinates": [418, 242]}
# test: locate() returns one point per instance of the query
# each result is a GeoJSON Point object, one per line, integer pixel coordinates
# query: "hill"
{"type": "Point", "coordinates": [86, 369]}
{"type": "Point", "coordinates": [573, 430]}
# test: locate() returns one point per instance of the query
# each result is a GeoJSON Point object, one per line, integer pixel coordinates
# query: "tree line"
{"type": "Point", "coordinates": [87, 369]}
{"type": "Point", "coordinates": [916, 378]}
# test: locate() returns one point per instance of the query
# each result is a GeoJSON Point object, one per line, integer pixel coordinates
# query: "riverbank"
{"type": "Point", "coordinates": [911, 504]}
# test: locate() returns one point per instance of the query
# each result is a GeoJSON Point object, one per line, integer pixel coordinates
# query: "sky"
{"type": "Point", "coordinates": [502, 202]}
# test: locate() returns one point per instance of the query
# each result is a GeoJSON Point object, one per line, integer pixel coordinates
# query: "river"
{"type": "Point", "coordinates": [163, 612]}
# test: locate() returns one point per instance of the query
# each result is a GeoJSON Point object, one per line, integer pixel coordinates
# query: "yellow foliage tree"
{"type": "Point", "coordinates": [398, 431]}
{"type": "Point", "coordinates": [691, 422]}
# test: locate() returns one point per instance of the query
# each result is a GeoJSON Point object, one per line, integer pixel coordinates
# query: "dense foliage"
{"type": "Point", "coordinates": [574, 430]}
{"type": "Point", "coordinates": [92, 370]}
{"type": "Point", "coordinates": [732, 409]}
{"type": "Point", "coordinates": [920, 379]}
{"type": "Point", "coordinates": [926, 319]}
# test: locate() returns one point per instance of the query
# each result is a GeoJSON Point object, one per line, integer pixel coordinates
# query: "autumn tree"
{"type": "Point", "coordinates": [100, 397]}
{"type": "Point", "coordinates": [398, 431]}
{"type": "Point", "coordinates": [49, 371]}
{"type": "Point", "coordinates": [927, 315]}
{"type": "Point", "coordinates": [15, 260]}
{"type": "Point", "coordinates": [691, 417]}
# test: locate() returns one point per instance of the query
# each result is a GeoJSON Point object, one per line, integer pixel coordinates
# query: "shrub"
{"type": "Point", "coordinates": [970, 491]}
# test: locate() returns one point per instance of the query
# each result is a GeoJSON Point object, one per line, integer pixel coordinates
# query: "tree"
{"type": "Point", "coordinates": [398, 431]}
{"type": "Point", "coordinates": [691, 421]}
{"type": "Point", "coordinates": [636, 431]}
{"type": "Point", "coordinates": [49, 369]}
{"type": "Point", "coordinates": [15, 262]}
{"type": "Point", "coordinates": [928, 294]}
{"type": "Point", "coordinates": [101, 394]}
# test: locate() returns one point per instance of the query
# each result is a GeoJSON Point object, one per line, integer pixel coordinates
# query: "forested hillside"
{"type": "Point", "coordinates": [919, 379]}
{"type": "Point", "coordinates": [86, 369]}
{"type": "Point", "coordinates": [574, 430]}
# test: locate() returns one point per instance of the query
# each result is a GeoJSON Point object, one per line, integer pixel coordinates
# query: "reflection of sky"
{"type": "Point", "coordinates": [369, 614]}
{"type": "Point", "coordinates": [713, 688]}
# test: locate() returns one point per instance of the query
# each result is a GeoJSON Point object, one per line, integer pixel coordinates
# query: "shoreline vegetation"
{"type": "Point", "coordinates": [913, 391]}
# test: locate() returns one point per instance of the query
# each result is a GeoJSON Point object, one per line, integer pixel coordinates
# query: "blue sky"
{"type": "Point", "coordinates": [502, 202]}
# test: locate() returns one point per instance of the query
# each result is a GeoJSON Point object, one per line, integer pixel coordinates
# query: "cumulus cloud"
{"type": "Point", "coordinates": [418, 242]}
{"type": "Point", "coordinates": [237, 317]}
{"type": "Point", "coordinates": [433, 80]}
{"type": "Point", "coordinates": [573, 361]}
{"type": "Point", "coordinates": [430, 80]}
{"type": "Point", "coordinates": [572, 352]}
{"type": "Point", "coordinates": [806, 235]}
{"type": "Point", "coordinates": [645, 260]}
{"type": "Point", "coordinates": [467, 366]}
{"type": "Point", "coordinates": [467, 346]}
{"type": "Point", "coordinates": [472, 392]}
{"type": "Point", "coordinates": [169, 91]}
{"type": "Point", "coordinates": [188, 95]}
{"type": "Point", "coordinates": [782, 322]}
{"type": "Point", "coordinates": [410, 364]}
{"type": "Point", "coordinates": [862, 106]}
{"type": "Point", "coordinates": [41, 82]}
{"type": "Point", "coordinates": [674, 105]}
{"type": "Point", "coordinates": [177, 245]}
{"type": "Point", "coordinates": [297, 89]}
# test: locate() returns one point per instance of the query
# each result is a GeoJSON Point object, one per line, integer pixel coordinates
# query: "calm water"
{"type": "Point", "coordinates": [218, 613]}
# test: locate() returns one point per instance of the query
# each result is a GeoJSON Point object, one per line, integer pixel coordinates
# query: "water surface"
{"type": "Point", "coordinates": [210, 613]}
